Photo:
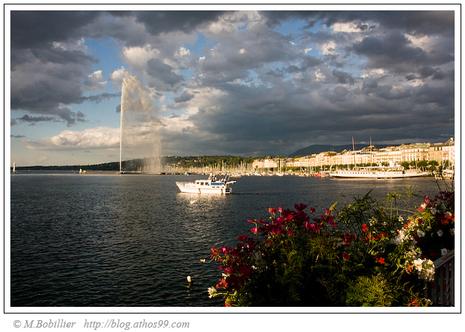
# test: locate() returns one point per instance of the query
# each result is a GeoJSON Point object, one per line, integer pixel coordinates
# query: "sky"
{"type": "Point", "coordinates": [238, 82]}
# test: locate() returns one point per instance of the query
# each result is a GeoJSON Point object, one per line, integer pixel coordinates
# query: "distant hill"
{"type": "Point", "coordinates": [135, 164]}
{"type": "Point", "coordinates": [317, 148]}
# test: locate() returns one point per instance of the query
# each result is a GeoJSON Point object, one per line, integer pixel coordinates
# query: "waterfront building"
{"type": "Point", "coordinates": [390, 155]}
{"type": "Point", "coordinates": [266, 164]}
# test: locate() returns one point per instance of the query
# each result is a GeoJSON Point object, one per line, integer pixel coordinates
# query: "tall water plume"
{"type": "Point", "coordinates": [139, 129]}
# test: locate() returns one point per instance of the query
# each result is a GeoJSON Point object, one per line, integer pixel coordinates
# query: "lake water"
{"type": "Point", "coordinates": [109, 240]}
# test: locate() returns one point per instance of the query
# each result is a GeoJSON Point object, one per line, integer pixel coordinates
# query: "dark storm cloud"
{"type": "Point", "coordinates": [100, 97]}
{"type": "Point", "coordinates": [48, 64]}
{"type": "Point", "coordinates": [394, 51]}
{"type": "Point", "coordinates": [415, 22]}
{"type": "Point", "coordinates": [35, 119]}
{"type": "Point", "coordinates": [165, 21]}
{"type": "Point", "coordinates": [343, 77]}
{"type": "Point", "coordinates": [44, 87]}
{"type": "Point", "coordinates": [163, 75]}
{"type": "Point", "coordinates": [185, 96]}
{"type": "Point", "coordinates": [30, 29]}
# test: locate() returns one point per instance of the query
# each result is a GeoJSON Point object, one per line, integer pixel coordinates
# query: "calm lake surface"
{"type": "Point", "coordinates": [109, 240]}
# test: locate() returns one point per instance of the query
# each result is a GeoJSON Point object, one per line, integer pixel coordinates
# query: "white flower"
{"type": "Point", "coordinates": [440, 233]}
{"type": "Point", "coordinates": [420, 233]}
{"type": "Point", "coordinates": [418, 264]}
{"type": "Point", "coordinates": [401, 219]}
{"type": "Point", "coordinates": [423, 205]}
{"type": "Point", "coordinates": [212, 292]}
{"type": "Point", "coordinates": [428, 270]}
{"type": "Point", "coordinates": [443, 251]}
{"type": "Point", "coordinates": [400, 237]}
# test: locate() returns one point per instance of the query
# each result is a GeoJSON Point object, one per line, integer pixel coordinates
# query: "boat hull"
{"type": "Point", "coordinates": [191, 188]}
{"type": "Point", "coordinates": [376, 175]}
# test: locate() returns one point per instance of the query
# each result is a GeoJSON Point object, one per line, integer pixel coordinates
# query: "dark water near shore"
{"type": "Point", "coordinates": [101, 240]}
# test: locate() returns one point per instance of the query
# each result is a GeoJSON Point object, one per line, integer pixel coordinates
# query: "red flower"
{"type": "Point", "coordinates": [222, 283]}
{"type": "Point", "coordinates": [345, 256]}
{"type": "Point", "coordinates": [227, 270]}
{"type": "Point", "coordinates": [346, 239]}
{"type": "Point", "coordinates": [254, 230]}
{"type": "Point", "coordinates": [364, 228]}
{"type": "Point", "coordinates": [448, 218]}
{"type": "Point", "coordinates": [312, 227]}
{"type": "Point", "coordinates": [414, 302]}
{"type": "Point", "coordinates": [271, 210]}
{"type": "Point", "coordinates": [380, 260]}
{"type": "Point", "coordinates": [214, 251]}
{"type": "Point", "coordinates": [242, 238]}
{"type": "Point", "coordinates": [312, 210]}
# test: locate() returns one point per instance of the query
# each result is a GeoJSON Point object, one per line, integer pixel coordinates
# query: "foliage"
{"type": "Point", "coordinates": [370, 291]}
{"type": "Point", "coordinates": [364, 254]}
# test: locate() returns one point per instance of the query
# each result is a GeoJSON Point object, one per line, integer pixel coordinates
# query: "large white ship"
{"type": "Point", "coordinates": [377, 173]}
{"type": "Point", "coordinates": [212, 185]}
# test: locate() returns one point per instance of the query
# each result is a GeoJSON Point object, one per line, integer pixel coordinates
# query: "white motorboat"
{"type": "Point", "coordinates": [377, 173]}
{"type": "Point", "coordinates": [212, 185]}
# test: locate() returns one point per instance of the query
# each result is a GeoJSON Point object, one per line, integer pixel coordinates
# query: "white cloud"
{"type": "Point", "coordinates": [182, 52]}
{"type": "Point", "coordinates": [375, 72]}
{"type": "Point", "coordinates": [92, 138]}
{"type": "Point", "coordinates": [346, 27]}
{"type": "Point", "coordinates": [424, 42]}
{"type": "Point", "coordinates": [202, 58]}
{"type": "Point", "coordinates": [307, 50]}
{"type": "Point", "coordinates": [319, 76]}
{"type": "Point", "coordinates": [119, 74]}
{"type": "Point", "coordinates": [75, 45]}
{"type": "Point", "coordinates": [242, 51]}
{"type": "Point", "coordinates": [95, 80]}
{"type": "Point", "coordinates": [416, 82]}
{"type": "Point", "coordinates": [328, 48]}
{"type": "Point", "coordinates": [233, 21]}
{"type": "Point", "coordinates": [139, 56]}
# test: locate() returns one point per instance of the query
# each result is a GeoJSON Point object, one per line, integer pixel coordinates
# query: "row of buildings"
{"type": "Point", "coordinates": [442, 153]}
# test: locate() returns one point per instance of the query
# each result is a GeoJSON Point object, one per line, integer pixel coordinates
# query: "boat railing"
{"type": "Point", "coordinates": [442, 288]}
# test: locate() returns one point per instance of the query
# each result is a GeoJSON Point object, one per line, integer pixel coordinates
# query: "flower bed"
{"type": "Point", "coordinates": [364, 254]}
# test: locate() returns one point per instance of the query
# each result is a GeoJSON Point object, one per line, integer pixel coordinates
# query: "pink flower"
{"type": "Point", "coordinates": [254, 230]}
